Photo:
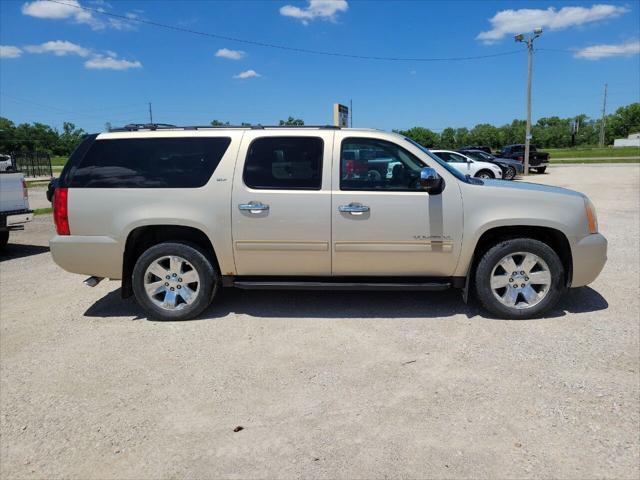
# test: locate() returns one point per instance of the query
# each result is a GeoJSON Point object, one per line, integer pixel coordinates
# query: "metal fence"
{"type": "Point", "coordinates": [33, 164]}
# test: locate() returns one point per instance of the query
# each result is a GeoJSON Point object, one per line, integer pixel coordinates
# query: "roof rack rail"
{"type": "Point", "coordinates": [142, 126]}
{"type": "Point", "coordinates": [132, 127]}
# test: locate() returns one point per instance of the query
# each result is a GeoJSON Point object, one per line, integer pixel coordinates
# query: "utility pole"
{"type": "Point", "coordinates": [150, 114]}
{"type": "Point", "coordinates": [351, 112]}
{"type": "Point", "coordinates": [527, 139]}
{"type": "Point", "coordinates": [603, 120]}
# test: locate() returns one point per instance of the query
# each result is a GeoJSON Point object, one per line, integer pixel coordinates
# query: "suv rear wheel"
{"type": "Point", "coordinates": [519, 278]}
{"type": "Point", "coordinates": [174, 281]}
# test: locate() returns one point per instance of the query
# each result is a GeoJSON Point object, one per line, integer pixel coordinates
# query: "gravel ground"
{"type": "Point", "coordinates": [325, 385]}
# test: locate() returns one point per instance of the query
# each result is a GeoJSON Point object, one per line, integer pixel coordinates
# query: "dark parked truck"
{"type": "Point", "coordinates": [538, 161]}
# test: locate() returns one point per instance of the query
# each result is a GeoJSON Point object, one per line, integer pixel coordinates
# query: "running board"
{"type": "Point", "coordinates": [310, 285]}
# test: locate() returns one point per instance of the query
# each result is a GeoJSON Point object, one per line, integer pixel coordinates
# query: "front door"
{"type": "Point", "coordinates": [383, 224]}
{"type": "Point", "coordinates": [281, 203]}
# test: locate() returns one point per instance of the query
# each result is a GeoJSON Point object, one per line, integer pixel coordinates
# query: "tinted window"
{"type": "Point", "coordinates": [293, 163]}
{"type": "Point", "coordinates": [149, 163]}
{"type": "Point", "coordinates": [369, 164]}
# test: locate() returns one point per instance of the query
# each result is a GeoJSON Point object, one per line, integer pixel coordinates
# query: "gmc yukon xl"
{"type": "Point", "coordinates": [178, 213]}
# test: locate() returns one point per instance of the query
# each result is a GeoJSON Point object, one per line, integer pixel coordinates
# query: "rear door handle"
{"type": "Point", "coordinates": [253, 207]}
{"type": "Point", "coordinates": [354, 209]}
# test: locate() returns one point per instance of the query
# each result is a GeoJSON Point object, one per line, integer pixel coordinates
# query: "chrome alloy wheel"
{"type": "Point", "coordinates": [510, 174]}
{"type": "Point", "coordinates": [520, 280]}
{"type": "Point", "coordinates": [485, 176]}
{"type": "Point", "coordinates": [171, 282]}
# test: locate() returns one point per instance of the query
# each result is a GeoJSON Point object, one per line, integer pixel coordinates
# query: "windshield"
{"type": "Point", "coordinates": [440, 162]}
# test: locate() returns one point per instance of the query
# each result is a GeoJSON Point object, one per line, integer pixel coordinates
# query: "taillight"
{"type": "Point", "coordinates": [520, 159]}
{"type": "Point", "coordinates": [25, 190]}
{"type": "Point", "coordinates": [60, 211]}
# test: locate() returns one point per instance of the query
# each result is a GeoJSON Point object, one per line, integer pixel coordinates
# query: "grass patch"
{"type": "Point", "coordinates": [59, 160]}
{"type": "Point", "coordinates": [37, 183]}
{"type": "Point", "coordinates": [43, 211]}
{"type": "Point", "coordinates": [586, 162]}
{"type": "Point", "coordinates": [592, 152]}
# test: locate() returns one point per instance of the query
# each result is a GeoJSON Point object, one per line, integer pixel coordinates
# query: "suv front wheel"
{"type": "Point", "coordinates": [174, 281]}
{"type": "Point", "coordinates": [519, 278]}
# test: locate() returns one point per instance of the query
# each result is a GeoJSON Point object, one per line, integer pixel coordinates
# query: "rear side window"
{"type": "Point", "coordinates": [293, 163]}
{"type": "Point", "coordinates": [149, 163]}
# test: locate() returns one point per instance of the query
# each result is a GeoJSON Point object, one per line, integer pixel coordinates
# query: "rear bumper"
{"type": "Point", "coordinates": [589, 257]}
{"type": "Point", "coordinates": [15, 220]}
{"type": "Point", "coordinates": [89, 255]}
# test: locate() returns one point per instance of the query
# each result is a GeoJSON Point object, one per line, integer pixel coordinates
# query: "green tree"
{"type": "Point", "coordinates": [295, 122]}
{"type": "Point", "coordinates": [624, 121]}
{"type": "Point", "coordinates": [218, 123]}
{"type": "Point", "coordinates": [69, 139]}
{"type": "Point", "coordinates": [423, 136]}
{"type": "Point", "coordinates": [447, 138]}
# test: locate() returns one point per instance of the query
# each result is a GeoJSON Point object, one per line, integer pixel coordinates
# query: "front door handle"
{"type": "Point", "coordinates": [354, 209]}
{"type": "Point", "coordinates": [253, 207]}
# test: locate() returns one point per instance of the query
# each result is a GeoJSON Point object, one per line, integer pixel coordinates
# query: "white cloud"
{"type": "Point", "coordinates": [322, 9]}
{"type": "Point", "coordinates": [59, 48]}
{"type": "Point", "coordinates": [58, 11]}
{"type": "Point", "coordinates": [247, 74]}
{"type": "Point", "coordinates": [72, 10]}
{"type": "Point", "coordinates": [524, 20]}
{"type": "Point", "coordinates": [100, 62]}
{"type": "Point", "coordinates": [596, 52]}
{"type": "Point", "coordinates": [8, 51]}
{"type": "Point", "coordinates": [230, 54]}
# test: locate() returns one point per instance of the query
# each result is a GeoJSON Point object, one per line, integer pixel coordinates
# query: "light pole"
{"type": "Point", "coordinates": [527, 139]}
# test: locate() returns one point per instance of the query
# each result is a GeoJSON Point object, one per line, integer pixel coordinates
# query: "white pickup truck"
{"type": "Point", "coordinates": [14, 204]}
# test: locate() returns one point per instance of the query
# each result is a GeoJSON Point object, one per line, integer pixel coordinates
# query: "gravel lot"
{"type": "Point", "coordinates": [326, 385]}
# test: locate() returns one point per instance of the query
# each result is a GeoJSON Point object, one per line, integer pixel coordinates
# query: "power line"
{"type": "Point", "coordinates": [278, 46]}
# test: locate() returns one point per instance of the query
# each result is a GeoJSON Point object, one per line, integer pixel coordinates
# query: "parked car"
{"type": "Point", "coordinates": [510, 168]}
{"type": "Point", "coordinates": [14, 205]}
{"type": "Point", "coordinates": [476, 147]}
{"type": "Point", "coordinates": [468, 166]}
{"type": "Point", "coordinates": [538, 161]}
{"type": "Point", "coordinates": [6, 163]}
{"type": "Point", "coordinates": [178, 213]}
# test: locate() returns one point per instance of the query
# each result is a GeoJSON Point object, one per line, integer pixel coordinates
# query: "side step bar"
{"type": "Point", "coordinates": [311, 285]}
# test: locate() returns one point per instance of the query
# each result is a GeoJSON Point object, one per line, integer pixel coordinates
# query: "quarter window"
{"type": "Point", "coordinates": [149, 163]}
{"type": "Point", "coordinates": [370, 164]}
{"type": "Point", "coordinates": [293, 163]}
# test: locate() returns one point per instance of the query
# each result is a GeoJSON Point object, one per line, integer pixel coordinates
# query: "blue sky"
{"type": "Point", "coordinates": [63, 63]}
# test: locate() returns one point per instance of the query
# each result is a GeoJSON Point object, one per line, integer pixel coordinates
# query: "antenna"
{"type": "Point", "coordinates": [150, 114]}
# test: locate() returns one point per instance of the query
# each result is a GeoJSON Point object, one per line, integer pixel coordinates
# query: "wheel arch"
{"type": "Point", "coordinates": [143, 237]}
{"type": "Point", "coordinates": [555, 238]}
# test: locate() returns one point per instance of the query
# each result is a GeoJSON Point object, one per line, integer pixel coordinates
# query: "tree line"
{"type": "Point", "coordinates": [548, 132]}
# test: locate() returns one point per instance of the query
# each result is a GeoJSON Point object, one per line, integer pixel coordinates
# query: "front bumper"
{"type": "Point", "coordinates": [589, 257]}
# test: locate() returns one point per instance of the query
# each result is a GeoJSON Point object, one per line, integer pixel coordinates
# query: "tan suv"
{"type": "Point", "coordinates": [177, 213]}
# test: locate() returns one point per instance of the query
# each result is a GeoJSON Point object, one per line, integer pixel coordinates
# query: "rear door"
{"type": "Point", "coordinates": [281, 203]}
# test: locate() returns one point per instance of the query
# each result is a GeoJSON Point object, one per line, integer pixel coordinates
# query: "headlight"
{"type": "Point", "coordinates": [592, 219]}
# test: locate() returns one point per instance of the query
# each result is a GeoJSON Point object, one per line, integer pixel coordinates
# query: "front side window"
{"type": "Point", "coordinates": [370, 164]}
{"type": "Point", "coordinates": [148, 162]}
{"type": "Point", "coordinates": [293, 163]}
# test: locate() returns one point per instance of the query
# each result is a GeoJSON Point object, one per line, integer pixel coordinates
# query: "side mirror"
{"type": "Point", "coordinates": [431, 181]}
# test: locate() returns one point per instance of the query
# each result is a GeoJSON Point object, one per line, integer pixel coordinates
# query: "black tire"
{"type": "Point", "coordinates": [207, 287]}
{"type": "Point", "coordinates": [541, 169]}
{"type": "Point", "coordinates": [491, 258]}
{"type": "Point", "coordinates": [489, 173]}
{"type": "Point", "coordinates": [510, 174]}
{"type": "Point", "coordinates": [4, 239]}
